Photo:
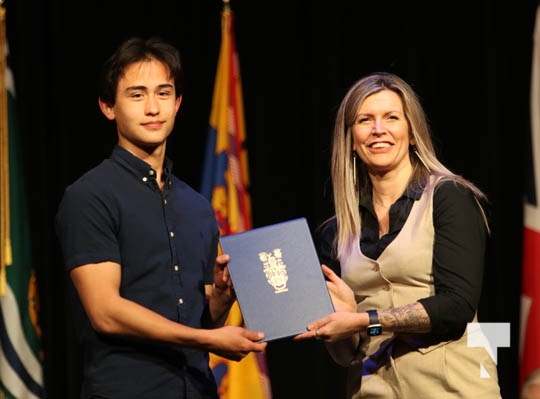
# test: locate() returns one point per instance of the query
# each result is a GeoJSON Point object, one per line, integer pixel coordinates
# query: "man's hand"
{"type": "Point", "coordinates": [234, 343]}
{"type": "Point", "coordinates": [221, 294]}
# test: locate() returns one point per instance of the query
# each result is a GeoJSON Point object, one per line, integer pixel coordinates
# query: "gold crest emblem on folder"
{"type": "Point", "coordinates": [275, 270]}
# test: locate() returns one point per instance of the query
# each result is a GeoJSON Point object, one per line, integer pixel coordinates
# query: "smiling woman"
{"type": "Point", "coordinates": [406, 246]}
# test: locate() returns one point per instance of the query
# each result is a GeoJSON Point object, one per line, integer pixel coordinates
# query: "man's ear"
{"type": "Point", "coordinates": [107, 109]}
{"type": "Point", "coordinates": [178, 102]}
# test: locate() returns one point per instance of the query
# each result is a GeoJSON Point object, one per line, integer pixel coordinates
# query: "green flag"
{"type": "Point", "coordinates": [20, 349]}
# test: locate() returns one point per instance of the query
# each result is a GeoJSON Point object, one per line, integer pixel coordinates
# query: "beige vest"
{"type": "Point", "coordinates": [407, 366]}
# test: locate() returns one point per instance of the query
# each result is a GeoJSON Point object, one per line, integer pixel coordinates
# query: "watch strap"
{"type": "Point", "coordinates": [373, 317]}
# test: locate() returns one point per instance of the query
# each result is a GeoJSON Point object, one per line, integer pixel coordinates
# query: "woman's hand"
{"type": "Point", "coordinates": [335, 327]}
{"type": "Point", "coordinates": [341, 294]}
{"type": "Point", "coordinates": [345, 322]}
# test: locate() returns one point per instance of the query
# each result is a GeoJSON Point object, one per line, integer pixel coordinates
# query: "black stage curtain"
{"type": "Point", "coordinates": [469, 61]}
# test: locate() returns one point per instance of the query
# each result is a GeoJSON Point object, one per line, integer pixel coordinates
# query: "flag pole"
{"type": "Point", "coordinates": [224, 183]}
{"type": "Point", "coordinates": [5, 243]}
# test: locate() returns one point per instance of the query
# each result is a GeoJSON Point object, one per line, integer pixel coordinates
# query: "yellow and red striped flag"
{"type": "Point", "coordinates": [225, 183]}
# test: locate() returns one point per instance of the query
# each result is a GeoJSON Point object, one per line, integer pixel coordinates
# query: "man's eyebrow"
{"type": "Point", "coordinates": [144, 88]}
{"type": "Point", "coordinates": [136, 88]}
{"type": "Point", "coordinates": [166, 86]}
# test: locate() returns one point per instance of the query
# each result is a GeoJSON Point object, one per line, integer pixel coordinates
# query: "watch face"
{"type": "Point", "coordinates": [374, 330]}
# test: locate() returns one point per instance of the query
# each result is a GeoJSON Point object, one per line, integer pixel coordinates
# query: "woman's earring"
{"type": "Point", "coordinates": [354, 156]}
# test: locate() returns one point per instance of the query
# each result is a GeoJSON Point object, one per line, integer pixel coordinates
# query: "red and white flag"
{"type": "Point", "coordinates": [530, 296]}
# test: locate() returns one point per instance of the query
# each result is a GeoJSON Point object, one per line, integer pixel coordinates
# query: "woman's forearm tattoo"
{"type": "Point", "coordinates": [411, 318]}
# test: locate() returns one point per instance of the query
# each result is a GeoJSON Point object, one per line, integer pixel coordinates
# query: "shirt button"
{"type": "Point", "coordinates": [151, 172]}
{"type": "Point", "coordinates": [176, 268]}
{"type": "Point", "coordinates": [165, 201]}
{"type": "Point", "coordinates": [171, 234]}
{"type": "Point", "coordinates": [376, 268]}
{"type": "Point", "coordinates": [180, 301]}
{"type": "Point", "coordinates": [145, 178]}
{"type": "Point", "coordinates": [387, 287]}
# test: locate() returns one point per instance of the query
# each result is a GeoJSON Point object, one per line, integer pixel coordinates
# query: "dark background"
{"type": "Point", "coordinates": [468, 60]}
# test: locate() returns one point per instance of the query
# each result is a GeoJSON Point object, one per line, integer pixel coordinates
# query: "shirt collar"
{"type": "Point", "coordinates": [366, 199]}
{"type": "Point", "coordinates": [141, 169]}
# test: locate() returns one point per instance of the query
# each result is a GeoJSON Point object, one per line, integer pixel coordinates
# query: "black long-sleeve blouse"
{"type": "Point", "coordinates": [458, 251]}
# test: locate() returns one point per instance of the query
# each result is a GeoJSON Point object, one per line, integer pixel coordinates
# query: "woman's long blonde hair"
{"type": "Point", "coordinates": [349, 183]}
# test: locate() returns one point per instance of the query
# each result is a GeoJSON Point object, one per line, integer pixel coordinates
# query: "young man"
{"type": "Point", "coordinates": [140, 247]}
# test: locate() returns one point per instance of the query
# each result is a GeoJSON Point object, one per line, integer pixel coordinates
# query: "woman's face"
{"type": "Point", "coordinates": [380, 133]}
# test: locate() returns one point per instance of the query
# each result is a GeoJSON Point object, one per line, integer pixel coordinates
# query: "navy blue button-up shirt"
{"type": "Point", "coordinates": [166, 243]}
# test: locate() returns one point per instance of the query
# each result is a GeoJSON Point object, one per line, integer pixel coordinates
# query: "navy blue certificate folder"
{"type": "Point", "coordinates": [278, 279]}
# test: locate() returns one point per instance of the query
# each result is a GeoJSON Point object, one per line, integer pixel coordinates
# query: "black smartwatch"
{"type": "Point", "coordinates": [375, 327]}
